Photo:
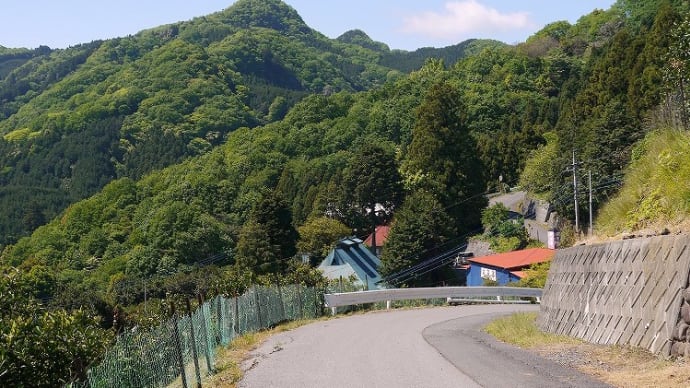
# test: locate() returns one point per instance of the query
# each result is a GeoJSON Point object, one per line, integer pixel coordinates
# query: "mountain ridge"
{"type": "Point", "coordinates": [145, 101]}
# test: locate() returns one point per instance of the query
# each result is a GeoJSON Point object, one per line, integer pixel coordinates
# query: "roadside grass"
{"type": "Point", "coordinates": [617, 365]}
{"type": "Point", "coordinates": [520, 329]}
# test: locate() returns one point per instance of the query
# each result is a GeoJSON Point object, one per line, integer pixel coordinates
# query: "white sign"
{"type": "Point", "coordinates": [488, 273]}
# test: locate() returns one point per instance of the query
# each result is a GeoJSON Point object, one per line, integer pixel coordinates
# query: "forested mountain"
{"type": "Point", "coordinates": [579, 84]}
{"type": "Point", "coordinates": [72, 120]}
{"type": "Point", "coordinates": [278, 129]}
{"type": "Point", "coordinates": [408, 61]}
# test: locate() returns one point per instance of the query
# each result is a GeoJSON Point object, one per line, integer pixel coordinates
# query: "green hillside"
{"type": "Point", "coordinates": [186, 158]}
{"type": "Point", "coordinates": [72, 120]}
{"type": "Point", "coordinates": [655, 195]}
{"type": "Point", "coordinates": [499, 102]}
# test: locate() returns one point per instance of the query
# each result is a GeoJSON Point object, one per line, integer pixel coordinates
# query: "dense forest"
{"type": "Point", "coordinates": [73, 120]}
{"type": "Point", "coordinates": [206, 155]}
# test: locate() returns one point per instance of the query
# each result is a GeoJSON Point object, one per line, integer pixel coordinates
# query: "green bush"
{"type": "Point", "coordinates": [535, 275]}
{"type": "Point", "coordinates": [39, 347]}
{"type": "Point", "coordinates": [660, 162]}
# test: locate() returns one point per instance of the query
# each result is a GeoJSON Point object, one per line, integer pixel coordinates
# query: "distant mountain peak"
{"type": "Point", "coordinates": [361, 38]}
{"type": "Point", "coordinates": [273, 14]}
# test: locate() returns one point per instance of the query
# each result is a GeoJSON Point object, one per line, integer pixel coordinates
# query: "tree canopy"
{"type": "Point", "coordinates": [185, 157]}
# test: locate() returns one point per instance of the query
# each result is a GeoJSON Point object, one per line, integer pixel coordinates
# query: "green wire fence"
{"type": "Point", "coordinates": [182, 350]}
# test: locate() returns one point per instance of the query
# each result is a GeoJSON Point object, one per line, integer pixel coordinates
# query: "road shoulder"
{"type": "Point", "coordinates": [493, 363]}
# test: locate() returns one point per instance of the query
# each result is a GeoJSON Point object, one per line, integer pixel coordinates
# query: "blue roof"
{"type": "Point", "coordinates": [352, 257]}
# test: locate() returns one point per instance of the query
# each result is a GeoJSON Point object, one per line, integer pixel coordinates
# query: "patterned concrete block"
{"type": "Point", "coordinates": [625, 292]}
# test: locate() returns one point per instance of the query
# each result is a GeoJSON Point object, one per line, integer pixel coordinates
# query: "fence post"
{"type": "Point", "coordinates": [194, 354]}
{"type": "Point", "coordinates": [178, 345]}
{"type": "Point", "coordinates": [282, 303]}
{"type": "Point", "coordinates": [204, 335]}
{"type": "Point", "coordinates": [316, 302]}
{"type": "Point", "coordinates": [258, 308]}
{"type": "Point", "coordinates": [221, 319]}
{"type": "Point", "coordinates": [299, 301]}
{"type": "Point", "coordinates": [236, 317]}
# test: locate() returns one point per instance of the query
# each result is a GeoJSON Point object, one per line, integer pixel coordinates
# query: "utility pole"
{"type": "Point", "coordinates": [591, 225]}
{"type": "Point", "coordinates": [577, 219]}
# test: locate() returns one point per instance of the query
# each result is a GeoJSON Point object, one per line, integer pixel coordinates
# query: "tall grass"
{"type": "Point", "coordinates": [656, 192]}
{"type": "Point", "coordinates": [520, 329]}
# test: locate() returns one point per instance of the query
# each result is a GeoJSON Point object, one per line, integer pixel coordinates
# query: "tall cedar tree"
{"type": "Point", "coordinates": [268, 239]}
{"type": "Point", "coordinates": [372, 179]}
{"type": "Point", "coordinates": [442, 158]}
{"type": "Point", "coordinates": [677, 71]}
{"type": "Point", "coordinates": [419, 229]}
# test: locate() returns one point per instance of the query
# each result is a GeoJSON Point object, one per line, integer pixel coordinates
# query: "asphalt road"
{"type": "Point", "coordinates": [511, 200]}
{"type": "Point", "coordinates": [431, 347]}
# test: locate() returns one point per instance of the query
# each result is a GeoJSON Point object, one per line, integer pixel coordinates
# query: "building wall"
{"type": "Point", "coordinates": [478, 272]}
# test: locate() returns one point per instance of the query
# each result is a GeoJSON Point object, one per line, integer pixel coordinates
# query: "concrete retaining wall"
{"type": "Point", "coordinates": [625, 292]}
{"type": "Point", "coordinates": [536, 209]}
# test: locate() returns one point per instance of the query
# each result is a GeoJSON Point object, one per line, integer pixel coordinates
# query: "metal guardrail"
{"type": "Point", "coordinates": [387, 295]}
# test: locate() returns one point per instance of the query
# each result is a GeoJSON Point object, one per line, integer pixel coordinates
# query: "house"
{"type": "Point", "coordinates": [505, 267]}
{"type": "Point", "coordinates": [381, 233]}
{"type": "Point", "coordinates": [351, 257]}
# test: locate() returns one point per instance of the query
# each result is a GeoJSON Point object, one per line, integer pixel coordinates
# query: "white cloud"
{"type": "Point", "coordinates": [464, 19]}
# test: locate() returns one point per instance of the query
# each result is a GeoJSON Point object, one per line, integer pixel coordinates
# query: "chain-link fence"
{"type": "Point", "coordinates": [182, 350]}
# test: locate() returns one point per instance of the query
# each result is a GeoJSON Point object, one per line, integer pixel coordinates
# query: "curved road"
{"type": "Point", "coordinates": [430, 347]}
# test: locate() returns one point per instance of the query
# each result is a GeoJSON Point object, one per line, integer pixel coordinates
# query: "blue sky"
{"type": "Point", "coordinates": [402, 24]}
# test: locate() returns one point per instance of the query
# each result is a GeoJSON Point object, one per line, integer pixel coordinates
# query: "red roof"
{"type": "Point", "coordinates": [381, 235]}
{"type": "Point", "coordinates": [519, 274]}
{"type": "Point", "coordinates": [516, 259]}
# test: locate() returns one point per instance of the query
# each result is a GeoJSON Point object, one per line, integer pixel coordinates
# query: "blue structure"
{"type": "Point", "coordinates": [506, 267]}
{"type": "Point", "coordinates": [351, 257]}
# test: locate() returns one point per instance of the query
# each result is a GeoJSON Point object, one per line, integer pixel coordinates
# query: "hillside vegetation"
{"type": "Point", "coordinates": [655, 195]}
{"type": "Point", "coordinates": [73, 120]}
{"type": "Point", "coordinates": [439, 137]}
{"type": "Point", "coordinates": [186, 158]}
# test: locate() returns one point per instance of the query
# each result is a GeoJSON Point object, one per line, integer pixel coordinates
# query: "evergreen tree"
{"type": "Point", "coordinates": [420, 227]}
{"type": "Point", "coordinates": [255, 251]}
{"type": "Point", "coordinates": [442, 157]}
{"type": "Point", "coordinates": [677, 71]}
{"type": "Point", "coordinates": [373, 187]}
{"type": "Point", "coordinates": [268, 239]}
